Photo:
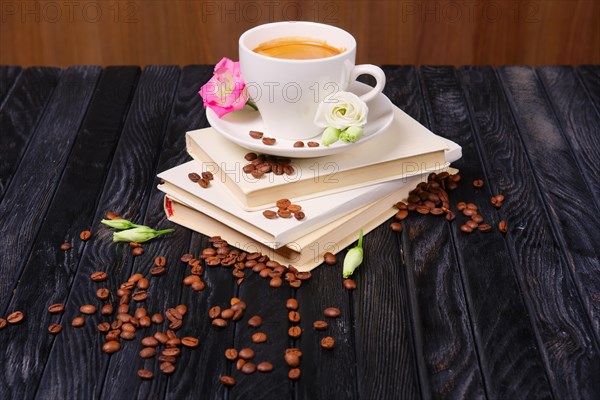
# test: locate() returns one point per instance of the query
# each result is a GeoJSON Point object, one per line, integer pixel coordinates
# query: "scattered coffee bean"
{"type": "Point", "coordinates": [167, 368]}
{"type": "Point", "coordinates": [294, 317]}
{"type": "Point", "coordinates": [85, 235]}
{"type": "Point", "coordinates": [227, 380]}
{"type": "Point", "coordinates": [332, 312]}
{"type": "Point", "coordinates": [111, 347]}
{"type": "Point", "coordinates": [145, 374]}
{"type": "Point", "coordinates": [466, 228]}
{"type": "Point", "coordinates": [3, 323]}
{"type": "Point", "coordinates": [264, 366]}
{"type": "Point", "coordinates": [246, 353]}
{"type": "Point", "coordinates": [204, 183]}
{"type": "Point", "coordinates": [255, 135]}
{"type": "Point", "coordinates": [396, 227]}
{"type": "Point", "coordinates": [112, 215]}
{"type": "Point", "coordinates": [208, 175]}
{"type": "Point", "coordinates": [328, 343]}
{"type": "Point", "coordinates": [56, 308]}
{"type": "Point", "coordinates": [270, 214]}
{"type": "Point", "coordinates": [219, 323]}
{"type": "Point", "coordinates": [291, 304]}
{"type": "Point", "coordinates": [55, 328]}
{"type": "Point", "coordinates": [103, 293]}
{"type": "Point", "coordinates": [259, 337]}
{"type": "Point", "coordinates": [295, 332]}
{"type": "Point", "coordinates": [107, 309]}
{"type": "Point", "coordinates": [312, 144]}
{"type": "Point", "coordinates": [98, 276]}
{"type": "Point", "coordinates": [320, 325]}
{"type": "Point", "coordinates": [292, 359]}
{"type": "Point", "coordinates": [65, 246]}
{"type": "Point", "coordinates": [147, 352]}
{"type": "Point", "coordinates": [485, 228]}
{"type": "Point", "coordinates": [283, 203]}
{"type": "Point", "coordinates": [299, 143]}
{"type": "Point", "coordinates": [283, 213]}
{"type": "Point", "coordinates": [140, 295]}
{"type": "Point", "coordinates": [137, 251]}
{"type": "Point", "coordinates": [472, 224]}
{"type": "Point", "coordinates": [477, 218]}
{"type": "Point", "coordinates": [255, 321]}
{"type": "Point", "coordinates": [478, 183]}
{"type": "Point", "coordinates": [87, 309]}
{"type": "Point", "coordinates": [103, 327]}
{"type": "Point", "coordinates": [194, 177]}
{"type": "Point", "coordinates": [299, 215]}
{"type": "Point", "coordinates": [294, 374]}
{"type": "Point", "coordinates": [503, 226]}
{"type": "Point", "coordinates": [401, 215]}
{"type": "Point", "coordinates": [231, 354]}
{"type": "Point", "coordinates": [461, 205]}
{"type": "Point", "coordinates": [157, 318]}
{"type": "Point", "coordinates": [269, 141]}
{"type": "Point", "coordinates": [149, 341]}
{"type": "Point", "coordinates": [190, 342]}
{"type": "Point", "coordinates": [329, 258]}
{"type": "Point", "coordinates": [214, 312]}
{"type": "Point", "coordinates": [248, 368]}
{"type": "Point", "coordinates": [275, 282]}
{"type": "Point", "coordinates": [349, 284]}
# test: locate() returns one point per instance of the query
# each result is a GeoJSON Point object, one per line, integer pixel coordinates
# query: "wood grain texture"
{"type": "Point", "coordinates": [590, 76]}
{"type": "Point", "coordinates": [484, 259]}
{"type": "Point", "coordinates": [565, 330]}
{"type": "Point", "coordinates": [126, 192]}
{"type": "Point", "coordinates": [445, 32]}
{"type": "Point", "coordinates": [19, 115]}
{"type": "Point", "coordinates": [329, 374]}
{"type": "Point", "coordinates": [9, 75]}
{"type": "Point", "coordinates": [25, 201]}
{"type": "Point", "coordinates": [48, 273]}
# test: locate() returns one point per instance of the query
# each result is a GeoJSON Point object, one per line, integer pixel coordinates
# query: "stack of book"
{"type": "Point", "coordinates": [339, 194]}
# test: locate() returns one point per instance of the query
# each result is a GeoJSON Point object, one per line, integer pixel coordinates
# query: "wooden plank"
{"type": "Point", "coordinates": [25, 202]}
{"type": "Point", "coordinates": [590, 76]}
{"type": "Point", "coordinates": [330, 374]}
{"type": "Point", "coordinates": [126, 191]}
{"type": "Point", "coordinates": [556, 283]}
{"type": "Point", "coordinates": [49, 271]}
{"type": "Point", "coordinates": [19, 116]}
{"type": "Point", "coordinates": [9, 74]}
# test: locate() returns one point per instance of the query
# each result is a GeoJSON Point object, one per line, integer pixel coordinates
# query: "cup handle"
{"type": "Point", "coordinates": [374, 71]}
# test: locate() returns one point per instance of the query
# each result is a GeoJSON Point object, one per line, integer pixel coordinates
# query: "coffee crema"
{"type": "Point", "coordinates": [297, 48]}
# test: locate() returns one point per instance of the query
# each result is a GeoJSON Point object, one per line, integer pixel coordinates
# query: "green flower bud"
{"type": "Point", "coordinates": [139, 235]}
{"type": "Point", "coordinates": [119, 223]}
{"type": "Point", "coordinates": [352, 134]}
{"type": "Point", "coordinates": [330, 136]}
{"type": "Point", "coordinates": [354, 258]}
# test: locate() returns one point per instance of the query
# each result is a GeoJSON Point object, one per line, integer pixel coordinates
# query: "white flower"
{"type": "Point", "coordinates": [342, 110]}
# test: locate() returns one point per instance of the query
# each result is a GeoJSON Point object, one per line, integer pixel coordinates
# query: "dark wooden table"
{"type": "Point", "coordinates": [437, 313]}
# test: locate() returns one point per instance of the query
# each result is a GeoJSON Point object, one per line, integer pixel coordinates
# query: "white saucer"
{"type": "Point", "coordinates": [235, 126]}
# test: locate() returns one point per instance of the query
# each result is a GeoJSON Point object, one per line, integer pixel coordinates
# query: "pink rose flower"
{"type": "Point", "coordinates": [225, 91]}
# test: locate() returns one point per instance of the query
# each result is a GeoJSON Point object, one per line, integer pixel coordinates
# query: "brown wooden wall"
{"type": "Point", "coordinates": [109, 32]}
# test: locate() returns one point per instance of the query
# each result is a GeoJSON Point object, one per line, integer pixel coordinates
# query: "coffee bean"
{"type": "Point", "coordinates": [401, 215]}
{"type": "Point", "coordinates": [466, 228]}
{"type": "Point", "coordinates": [204, 183]}
{"type": "Point", "coordinates": [477, 218]}
{"type": "Point", "coordinates": [113, 335]}
{"type": "Point", "coordinates": [255, 135]}
{"type": "Point", "coordinates": [103, 327]}
{"type": "Point", "coordinates": [436, 211]}
{"type": "Point", "coordinates": [227, 313]}
{"type": "Point", "coordinates": [478, 183]}
{"type": "Point", "coordinates": [167, 368]}
{"type": "Point", "coordinates": [320, 325]}
{"type": "Point", "coordinates": [332, 312]}
{"type": "Point", "coordinates": [328, 343]}
{"type": "Point", "coordinates": [127, 335]}
{"type": "Point", "coordinates": [472, 224]}
{"type": "Point", "coordinates": [299, 215]}
{"type": "Point", "coordinates": [147, 352]}
{"type": "Point", "coordinates": [291, 304]}
{"type": "Point", "coordinates": [134, 245]}
{"type": "Point", "coordinates": [123, 309]}
{"type": "Point", "coordinates": [65, 246]}
{"type": "Point", "coordinates": [329, 258]}
{"type": "Point", "coordinates": [303, 276]}
{"type": "Point", "coordinates": [424, 210]}
{"type": "Point", "coordinates": [270, 214]}
{"type": "Point", "coordinates": [275, 282]}
{"type": "Point", "coordinates": [128, 327]}
{"type": "Point", "coordinates": [161, 337]}
{"type": "Point", "coordinates": [264, 366]}
{"type": "Point", "coordinates": [143, 284]}
{"type": "Point", "coordinates": [246, 353]}
{"type": "Point", "coordinates": [503, 226]}
{"type": "Point", "coordinates": [145, 374]}
{"type": "Point", "coordinates": [3, 323]}
{"type": "Point", "coordinates": [208, 175]}
{"type": "Point", "coordinates": [190, 342]}
{"type": "Point", "coordinates": [157, 271]}
{"type": "Point", "coordinates": [467, 212]}
{"type": "Point", "coordinates": [98, 276]}
{"type": "Point", "coordinates": [140, 312]}
{"type": "Point", "coordinates": [175, 325]}
{"type": "Point", "coordinates": [255, 321]}
{"type": "Point", "coordinates": [219, 323]}
{"type": "Point", "coordinates": [396, 227]}
{"type": "Point", "coordinates": [288, 170]}
{"type": "Point", "coordinates": [85, 235]}
{"type": "Point", "coordinates": [140, 295]}
{"type": "Point", "coordinates": [149, 341]}
{"type": "Point", "coordinates": [284, 213]}
{"type": "Point", "coordinates": [294, 374]}
{"type": "Point", "coordinates": [157, 318]}
{"type": "Point", "coordinates": [111, 347]}
{"type": "Point", "coordinates": [227, 380]}
{"type": "Point", "coordinates": [283, 203]}
{"type": "Point", "coordinates": [137, 251]}
{"type": "Point", "coordinates": [103, 293]}
{"type": "Point", "coordinates": [295, 332]}
{"type": "Point", "coordinates": [214, 312]}
{"type": "Point", "coordinates": [349, 284]}
{"type": "Point", "coordinates": [87, 309]}
{"type": "Point", "coordinates": [312, 144]}
{"type": "Point", "coordinates": [450, 216]}
{"type": "Point", "coordinates": [485, 228]}
{"type": "Point", "coordinates": [112, 215]}
{"type": "Point", "coordinates": [188, 280]}
{"type": "Point", "coordinates": [294, 317]}
{"type": "Point", "coordinates": [461, 205]}
{"type": "Point", "coordinates": [56, 308]}
{"type": "Point", "coordinates": [269, 141]}
{"type": "Point", "coordinates": [231, 354]}
{"type": "Point", "coordinates": [55, 328]}
{"type": "Point", "coordinates": [299, 143]}
{"type": "Point", "coordinates": [292, 359]}
{"type": "Point", "coordinates": [259, 337]}
{"type": "Point", "coordinates": [171, 351]}
{"type": "Point", "coordinates": [472, 206]}
{"type": "Point", "coordinates": [194, 177]}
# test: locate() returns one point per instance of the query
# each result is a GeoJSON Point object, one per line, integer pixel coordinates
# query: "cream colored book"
{"type": "Point", "coordinates": [404, 149]}
{"type": "Point", "coordinates": [306, 252]}
{"type": "Point", "coordinates": [216, 202]}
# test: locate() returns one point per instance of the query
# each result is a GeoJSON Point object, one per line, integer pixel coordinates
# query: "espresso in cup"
{"type": "Point", "coordinates": [297, 48]}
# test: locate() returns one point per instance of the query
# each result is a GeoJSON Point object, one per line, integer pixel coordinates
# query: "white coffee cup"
{"type": "Point", "coordinates": [288, 92]}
